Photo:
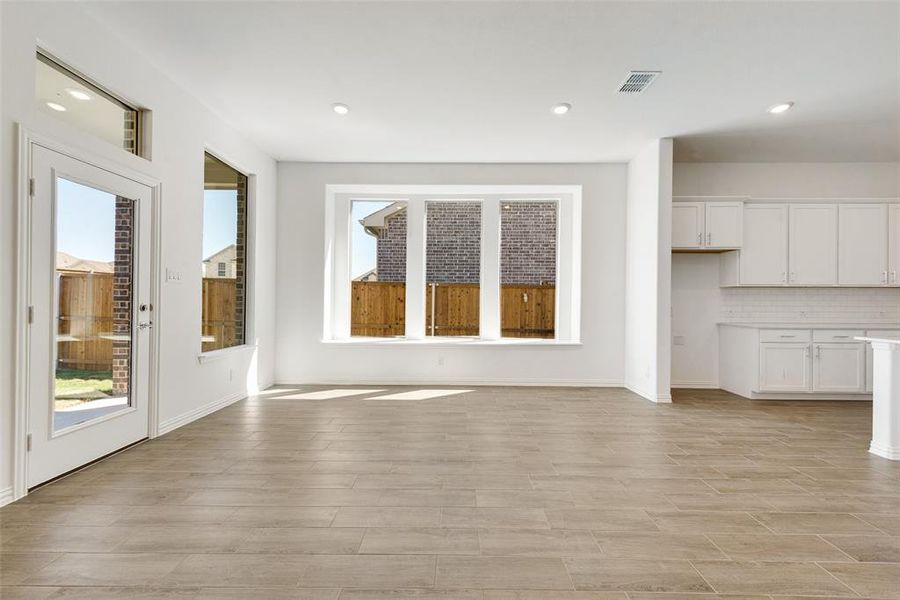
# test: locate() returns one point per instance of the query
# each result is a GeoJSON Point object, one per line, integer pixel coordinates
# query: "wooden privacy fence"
{"type": "Point", "coordinates": [85, 321]}
{"type": "Point", "coordinates": [378, 309]}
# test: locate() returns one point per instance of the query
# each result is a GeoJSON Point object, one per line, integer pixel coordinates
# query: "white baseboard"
{"type": "Point", "coordinates": [6, 496]}
{"type": "Point", "coordinates": [651, 396]}
{"type": "Point", "coordinates": [697, 385]}
{"type": "Point", "coordinates": [888, 452]}
{"type": "Point", "coordinates": [198, 413]}
{"type": "Point", "coordinates": [461, 381]}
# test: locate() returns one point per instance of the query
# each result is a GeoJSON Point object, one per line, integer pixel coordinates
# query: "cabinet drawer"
{"type": "Point", "coordinates": [784, 335]}
{"type": "Point", "coordinates": [836, 335]}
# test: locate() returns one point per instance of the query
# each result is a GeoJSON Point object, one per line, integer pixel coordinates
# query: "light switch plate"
{"type": "Point", "coordinates": [173, 276]}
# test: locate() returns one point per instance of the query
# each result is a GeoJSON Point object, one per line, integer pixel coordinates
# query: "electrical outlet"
{"type": "Point", "coordinates": [440, 360]}
{"type": "Point", "coordinates": [678, 340]}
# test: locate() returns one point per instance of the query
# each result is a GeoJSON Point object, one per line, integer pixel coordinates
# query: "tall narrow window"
{"type": "Point", "coordinates": [72, 98]}
{"type": "Point", "coordinates": [528, 269]}
{"type": "Point", "coordinates": [225, 255]}
{"type": "Point", "coordinates": [378, 268]}
{"type": "Point", "coordinates": [452, 268]}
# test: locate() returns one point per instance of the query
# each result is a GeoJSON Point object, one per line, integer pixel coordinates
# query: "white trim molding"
{"type": "Point", "coordinates": [6, 496]}
{"type": "Point", "coordinates": [336, 297]}
{"type": "Point", "coordinates": [199, 412]}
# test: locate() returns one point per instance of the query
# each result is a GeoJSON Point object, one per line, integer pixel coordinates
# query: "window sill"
{"type": "Point", "coordinates": [453, 342]}
{"type": "Point", "coordinates": [214, 355]}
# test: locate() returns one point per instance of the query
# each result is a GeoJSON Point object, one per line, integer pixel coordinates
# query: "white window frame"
{"type": "Point", "coordinates": [337, 281]}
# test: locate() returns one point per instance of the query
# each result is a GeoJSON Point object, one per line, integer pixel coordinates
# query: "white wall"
{"type": "Point", "coordinates": [648, 272]}
{"type": "Point", "coordinates": [697, 301]}
{"type": "Point", "coordinates": [302, 357]}
{"type": "Point", "coordinates": [695, 337]}
{"type": "Point", "coordinates": [181, 128]}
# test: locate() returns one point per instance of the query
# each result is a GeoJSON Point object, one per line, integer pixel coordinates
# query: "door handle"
{"type": "Point", "coordinates": [699, 239]}
{"type": "Point", "coordinates": [884, 277]}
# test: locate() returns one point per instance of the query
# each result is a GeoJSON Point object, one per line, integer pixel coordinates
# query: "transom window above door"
{"type": "Point", "coordinates": [65, 95]}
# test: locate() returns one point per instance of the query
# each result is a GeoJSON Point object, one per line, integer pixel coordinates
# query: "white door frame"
{"type": "Point", "coordinates": [26, 138]}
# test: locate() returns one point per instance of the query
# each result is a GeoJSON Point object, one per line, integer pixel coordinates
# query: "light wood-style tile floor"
{"type": "Point", "coordinates": [492, 494]}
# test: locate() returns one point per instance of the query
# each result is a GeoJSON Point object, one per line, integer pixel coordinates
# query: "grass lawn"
{"type": "Point", "coordinates": [74, 386]}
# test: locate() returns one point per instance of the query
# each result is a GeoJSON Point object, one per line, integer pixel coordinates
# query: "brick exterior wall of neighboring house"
{"type": "Point", "coordinates": [453, 241]}
{"type": "Point", "coordinates": [391, 250]}
{"type": "Point", "coordinates": [528, 243]}
{"type": "Point", "coordinates": [122, 295]}
{"type": "Point", "coordinates": [240, 265]}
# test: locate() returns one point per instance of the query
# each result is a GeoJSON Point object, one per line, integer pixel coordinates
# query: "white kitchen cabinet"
{"type": "Point", "coordinates": [812, 244]}
{"type": "Point", "coordinates": [784, 367]}
{"type": "Point", "coordinates": [724, 225]}
{"type": "Point", "coordinates": [839, 367]}
{"type": "Point", "coordinates": [894, 244]}
{"type": "Point", "coordinates": [863, 244]}
{"type": "Point", "coordinates": [687, 224]}
{"type": "Point", "coordinates": [764, 252]}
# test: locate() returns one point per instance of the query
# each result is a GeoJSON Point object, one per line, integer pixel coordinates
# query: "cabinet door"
{"type": "Point", "coordinates": [839, 367]}
{"type": "Point", "coordinates": [862, 244]}
{"type": "Point", "coordinates": [784, 367]}
{"type": "Point", "coordinates": [813, 244]}
{"type": "Point", "coordinates": [687, 224]}
{"type": "Point", "coordinates": [764, 256]}
{"type": "Point", "coordinates": [724, 228]}
{"type": "Point", "coordinates": [894, 244]}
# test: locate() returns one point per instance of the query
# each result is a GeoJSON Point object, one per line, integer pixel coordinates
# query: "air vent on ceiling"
{"type": "Point", "coordinates": [638, 81]}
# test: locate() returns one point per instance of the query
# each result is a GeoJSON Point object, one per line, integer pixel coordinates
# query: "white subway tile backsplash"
{"type": "Point", "coordinates": [812, 305]}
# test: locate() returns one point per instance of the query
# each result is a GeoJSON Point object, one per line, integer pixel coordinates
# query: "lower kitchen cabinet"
{"type": "Point", "coordinates": [765, 362]}
{"type": "Point", "coordinates": [784, 367]}
{"type": "Point", "coordinates": [839, 367]}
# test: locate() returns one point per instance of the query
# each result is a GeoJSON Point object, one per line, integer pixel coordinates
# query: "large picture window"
{"type": "Point", "coordinates": [452, 264]}
{"type": "Point", "coordinates": [224, 295]}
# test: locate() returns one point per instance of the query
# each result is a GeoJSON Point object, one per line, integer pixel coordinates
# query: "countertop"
{"type": "Point", "coordinates": [797, 325]}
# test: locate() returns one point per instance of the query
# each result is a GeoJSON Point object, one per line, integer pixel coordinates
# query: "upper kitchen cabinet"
{"type": "Point", "coordinates": [764, 254]}
{"type": "Point", "coordinates": [708, 225]}
{"type": "Point", "coordinates": [812, 244]}
{"type": "Point", "coordinates": [724, 225]}
{"type": "Point", "coordinates": [863, 244]}
{"type": "Point", "coordinates": [687, 225]}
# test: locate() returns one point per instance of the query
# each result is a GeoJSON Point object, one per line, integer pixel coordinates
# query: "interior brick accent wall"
{"type": "Point", "coordinates": [240, 266]}
{"type": "Point", "coordinates": [122, 295]}
{"type": "Point", "coordinates": [453, 242]}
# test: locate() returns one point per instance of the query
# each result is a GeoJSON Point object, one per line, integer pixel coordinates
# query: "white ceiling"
{"type": "Point", "coordinates": [475, 82]}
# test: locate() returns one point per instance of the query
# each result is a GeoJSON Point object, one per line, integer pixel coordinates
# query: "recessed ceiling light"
{"type": "Point", "coordinates": [78, 94]}
{"type": "Point", "coordinates": [562, 108]}
{"type": "Point", "coordinates": [339, 108]}
{"type": "Point", "coordinates": [56, 107]}
{"type": "Point", "coordinates": [780, 108]}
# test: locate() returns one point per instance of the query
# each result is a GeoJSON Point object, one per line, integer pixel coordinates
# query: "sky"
{"type": "Point", "coordinates": [85, 224]}
{"type": "Point", "coordinates": [362, 245]}
{"type": "Point", "coordinates": [219, 220]}
{"type": "Point", "coordinates": [85, 221]}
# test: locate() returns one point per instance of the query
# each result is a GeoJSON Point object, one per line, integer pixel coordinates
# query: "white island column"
{"type": "Point", "coordinates": [885, 397]}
